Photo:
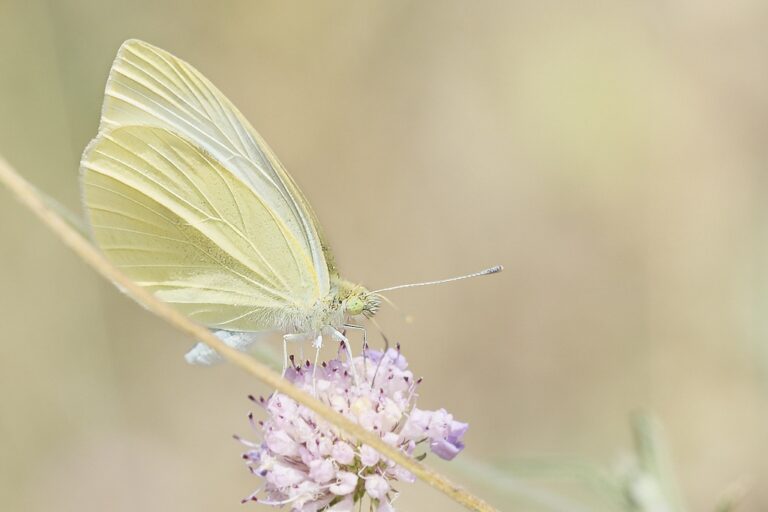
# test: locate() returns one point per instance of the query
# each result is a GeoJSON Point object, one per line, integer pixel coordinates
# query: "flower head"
{"type": "Point", "coordinates": [308, 464]}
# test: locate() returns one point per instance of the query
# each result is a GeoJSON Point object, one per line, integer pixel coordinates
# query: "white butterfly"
{"type": "Point", "coordinates": [187, 200]}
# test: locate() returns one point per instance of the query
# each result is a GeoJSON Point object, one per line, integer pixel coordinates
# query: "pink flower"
{"type": "Point", "coordinates": [376, 486]}
{"type": "Point", "coordinates": [307, 464]}
{"type": "Point", "coordinates": [321, 470]}
{"type": "Point", "coordinates": [446, 435]}
{"type": "Point", "coordinates": [345, 483]}
{"type": "Point", "coordinates": [345, 505]}
{"type": "Point", "coordinates": [368, 456]}
{"type": "Point", "coordinates": [343, 453]}
{"type": "Point", "coordinates": [281, 443]}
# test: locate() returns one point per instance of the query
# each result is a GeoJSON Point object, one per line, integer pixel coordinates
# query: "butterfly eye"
{"type": "Point", "coordinates": [355, 306]}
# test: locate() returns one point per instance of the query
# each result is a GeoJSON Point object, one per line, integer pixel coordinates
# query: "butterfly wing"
{"type": "Point", "coordinates": [248, 248]}
{"type": "Point", "coordinates": [178, 222]}
{"type": "Point", "coordinates": [149, 86]}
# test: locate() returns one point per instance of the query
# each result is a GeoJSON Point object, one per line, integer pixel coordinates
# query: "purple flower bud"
{"type": "Point", "coordinates": [402, 474]}
{"type": "Point", "coordinates": [281, 475]}
{"type": "Point", "coordinates": [369, 456]}
{"type": "Point", "coordinates": [321, 470]}
{"type": "Point", "coordinates": [376, 487]}
{"type": "Point", "coordinates": [343, 453]}
{"type": "Point", "coordinates": [418, 423]}
{"type": "Point", "coordinates": [345, 483]}
{"type": "Point", "coordinates": [446, 435]}
{"type": "Point", "coordinates": [445, 449]}
{"type": "Point", "coordinates": [281, 443]}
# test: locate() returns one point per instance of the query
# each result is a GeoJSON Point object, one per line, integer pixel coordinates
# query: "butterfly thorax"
{"type": "Point", "coordinates": [344, 300]}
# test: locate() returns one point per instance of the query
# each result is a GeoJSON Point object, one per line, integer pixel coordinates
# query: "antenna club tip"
{"type": "Point", "coordinates": [494, 270]}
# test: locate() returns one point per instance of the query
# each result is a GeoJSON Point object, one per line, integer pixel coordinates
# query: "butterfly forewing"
{"type": "Point", "coordinates": [148, 86]}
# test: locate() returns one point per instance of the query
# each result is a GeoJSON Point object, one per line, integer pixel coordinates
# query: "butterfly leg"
{"type": "Point", "coordinates": [345, 342]}
{"type": "Point", "coordinates": [317, 344]}
{"type": "Point", "coordinates": [285, 355]}
{"type": "Point", "coordinates": [365, 343]}
{"type": "Point", "coordinates": [286, 339]}
{"type": "Point", "coordinates": [359, 328]}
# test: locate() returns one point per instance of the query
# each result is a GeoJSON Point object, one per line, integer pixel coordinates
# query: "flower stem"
{"type": "Point", "coordinates": [31, 199]}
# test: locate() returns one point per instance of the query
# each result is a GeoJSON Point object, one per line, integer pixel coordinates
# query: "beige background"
{"type": "Point", "coordinates": [611, 155]}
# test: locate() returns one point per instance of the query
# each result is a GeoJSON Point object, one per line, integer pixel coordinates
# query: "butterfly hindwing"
{"type": "Point", "coordinates": [178, 222]}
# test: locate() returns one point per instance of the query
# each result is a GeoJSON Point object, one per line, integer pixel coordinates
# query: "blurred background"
{"type": "Point", "coordinates": [611, 155]}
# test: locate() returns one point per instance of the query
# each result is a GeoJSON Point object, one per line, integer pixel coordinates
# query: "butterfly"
{"type": "Point", "coordinates": [187, 199]}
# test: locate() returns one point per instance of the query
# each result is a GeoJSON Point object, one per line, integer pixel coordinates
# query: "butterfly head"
{"type": "Point", "coordinates": [356, 300]}
{"type": "Point", "coordinates": [363, 303]}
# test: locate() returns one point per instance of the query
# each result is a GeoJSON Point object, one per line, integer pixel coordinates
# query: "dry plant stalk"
{"type": "Point", "coordinates": [30, 198]}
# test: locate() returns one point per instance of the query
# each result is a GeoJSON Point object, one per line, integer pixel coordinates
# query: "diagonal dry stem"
{"type": "Point", "coordinates": [30, 198]}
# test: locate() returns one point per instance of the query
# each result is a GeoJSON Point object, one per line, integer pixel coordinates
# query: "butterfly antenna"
{"type": "Point", "coordinates": [488, 271]}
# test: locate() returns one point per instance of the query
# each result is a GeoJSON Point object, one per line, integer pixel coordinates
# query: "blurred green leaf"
{"type": "Point", "coordinates": [531, 482]}
{"type": "Point", "coordinates": [655, 461]}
